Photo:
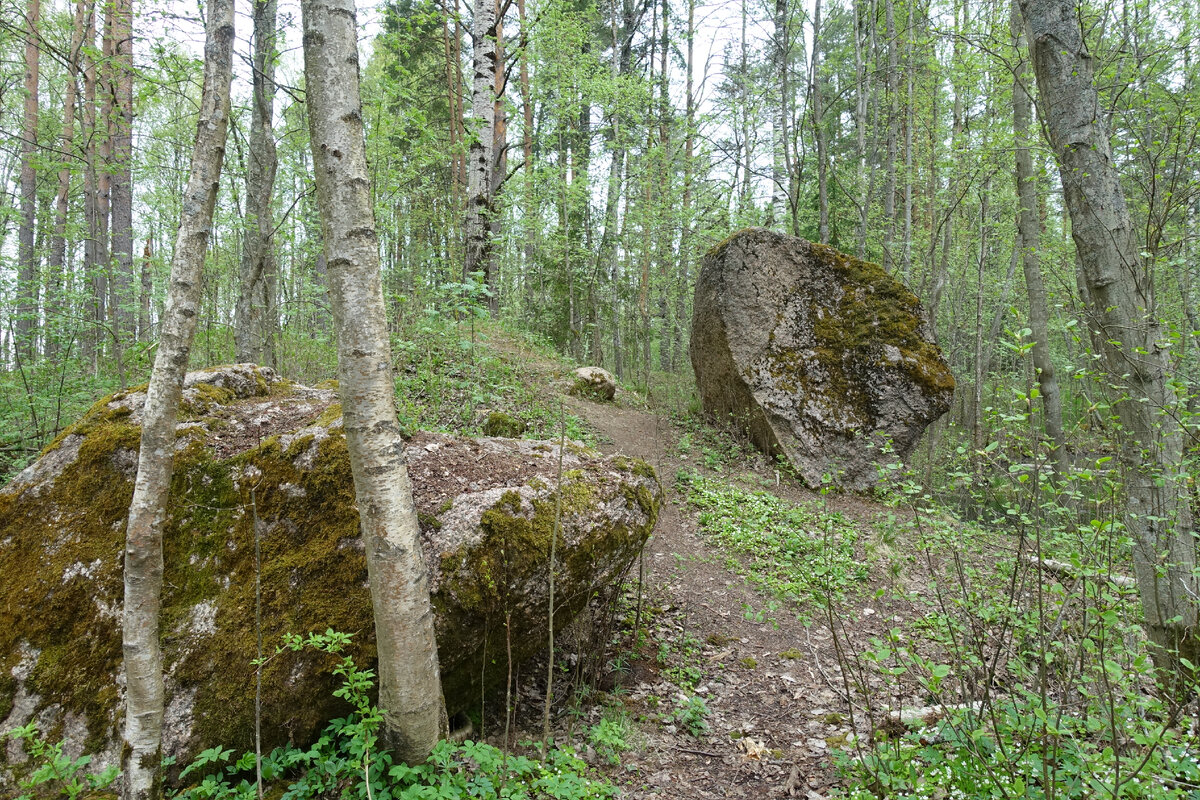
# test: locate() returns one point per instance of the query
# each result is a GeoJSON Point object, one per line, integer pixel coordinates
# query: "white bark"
{"type": "Point", "coordinates": [483, 113]}
{"type": "Point", "coordinates": [148, 509]}
{"type": "Point", "coordinates": [409, 685]}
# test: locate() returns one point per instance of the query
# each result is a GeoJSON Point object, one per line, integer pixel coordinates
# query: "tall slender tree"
{"type": "Point", "coordinates": [256, 313]}
{"type": "Point", "coordinates": [409, 684]}
{"type": "Point", "coordinates": [27, 262]}
{"type": "Point", "coordinates": [1122, 307]}
{"type": "Point", "coordinates": [142, 755]}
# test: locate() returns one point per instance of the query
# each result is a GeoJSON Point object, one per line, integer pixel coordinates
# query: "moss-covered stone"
{"type": "Point", "coordinates": [62, 532]}
{"type": "Point", "coordinates": [820, 356]}
{"type": "Point", "coordinates": [500, 424]}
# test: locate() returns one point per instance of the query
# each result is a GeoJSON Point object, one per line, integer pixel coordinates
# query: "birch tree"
{"type": "Point", "coordinates": [142, 753]}
{"type": "Point", "coordinates": [480, 159]}
{"type": "Point", "coordinates": [409, 684]}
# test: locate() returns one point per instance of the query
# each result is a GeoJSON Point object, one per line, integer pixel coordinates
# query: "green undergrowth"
{"type": "Point", "coordinates": [1039, 683]}
{"type": "Point", "coordinates": [345, 763]}
{"type": "Point", "coordinates": [451, 377]}
{"type": "Point", "coordinates": [799, 553]}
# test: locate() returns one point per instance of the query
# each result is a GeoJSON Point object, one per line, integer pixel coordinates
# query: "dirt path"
{"type": "Point", "coordinates": [774, 700]}
{"type": "Point", "coordinates": [774, 709]}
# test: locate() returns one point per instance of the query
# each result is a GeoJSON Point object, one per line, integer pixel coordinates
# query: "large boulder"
{"type": "Point", "coordinates": [821, 357]}
{"type": "Point", "coordinates": [253, 448]}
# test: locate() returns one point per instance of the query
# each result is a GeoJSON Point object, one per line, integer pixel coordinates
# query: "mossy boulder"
{"type": "Point", "coordinates": [257, 453]}
{"type": "Point", "coordinates": [498, 423]}
{"type": "Point", "coordinates": [594, 383]}
{"type": "Point", "coordinates": [821, 357]}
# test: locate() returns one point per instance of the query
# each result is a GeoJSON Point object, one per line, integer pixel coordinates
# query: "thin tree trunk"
{"type": "Point", "coordinates": [256, 313]}
{"type": "Point", "coordinates": [528, 216]}
{"type": "Point", "coordinates": [55, 306]}
{"type": "Point", "coordinates": [483, 113]}
{"type": "Point", "coordinates": [889, 188]}
{"type": "Point", "coordinates": [1122, 306]}
{"type": "Point", "coordinates": [93, 273]}
{"type": "Point", "coordinates": [409, 686]}
{"type": "Point", "coordinates": [142, 755]}
{"type": "Point", "coordinates": [1030, 229]}
{"type": "Point", "coordinates": [121, 168]}
{"type": "Point", "coordinates": [862, 81]}
{"type": "Point", "coordinates": [817, 88]}
{"type": "Point", "coordinates": [144, 334]}
{"type": "Point", "coordinates": [27, 261]}
{"type": "Point", "coordinates": [499, 166]}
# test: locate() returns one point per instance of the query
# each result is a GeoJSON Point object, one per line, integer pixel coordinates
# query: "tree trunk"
{"type": "Point", "coordinates": [144, 297]}
{"type": "Point", "coordinates": [409, 687]}
{"type": "Point", "coordinates": [1030, 230]}
{"type": "Point", "coordinates": [121, 188]}
{"type": "Point", "coordinates": [256, 313]}
{"type": "Point", "coordinates": [1122, 308]}
{"type": "Point", "coordinates": [140, 761]}
{"type": "Point", "coordinates": [817, 87]}
{"type": "Point", "coordinates": [499, 165]}
{"type": "Point", "coordinates": [93, 273]}
{"type": "Point", "coordinates": [483, 113]}
{"type": "Point", "coordinates": [889, 188]}
{"type": "Point", "coordinates": [55, 306]}
{"type": "Point", "coordinates": [27, 262]}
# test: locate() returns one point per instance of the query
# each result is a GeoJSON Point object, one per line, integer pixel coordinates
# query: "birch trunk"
{"type": "Point", "coordinates": [479, 161]}
{"type": "Point", "coordinates": [409, 686]}
{"type": "Point", "coordinates": [1122, 308]}
{"type": "Point", "coordinates": [140, 761]}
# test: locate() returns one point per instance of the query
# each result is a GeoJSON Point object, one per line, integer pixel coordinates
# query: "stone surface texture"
{"type": "Point", "coordinates": [260, 454]}
{"type": "Point", "coordinates": [820, 357]}
{"type": "Point", "coordinates": [594, 382]}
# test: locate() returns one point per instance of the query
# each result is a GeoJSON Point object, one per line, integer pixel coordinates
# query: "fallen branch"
{"type": "Point", "coordinates": [1071, 571]}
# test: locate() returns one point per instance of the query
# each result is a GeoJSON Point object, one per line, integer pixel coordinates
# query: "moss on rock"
{"type": "Point", "coordinates": [62, 533]}
{"type": "Point", "coordinates": [843, 362]}
{"type": "Point", "coordinates": [500, 424]}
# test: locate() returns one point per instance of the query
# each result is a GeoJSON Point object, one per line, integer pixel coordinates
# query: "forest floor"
{"type": "Point", "coordinates": [779, 684]}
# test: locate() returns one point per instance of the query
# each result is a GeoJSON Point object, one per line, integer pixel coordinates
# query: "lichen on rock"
{"type": "Point", "coordinates": [259, 454]}
{"type": "Point", "coordinates": [823, 358]}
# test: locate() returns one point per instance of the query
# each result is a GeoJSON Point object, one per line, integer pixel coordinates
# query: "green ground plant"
{"type": "Point", "coordinates": [345, 762]}
{"type": "Point", "coordinates": [54, 774]}
{"type": "Point", "coordinates": [1030, 653]}
{"type": "Point", "coordinates": [799, 553]}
